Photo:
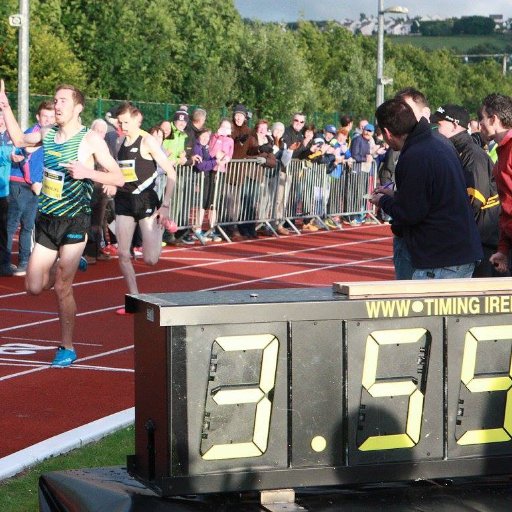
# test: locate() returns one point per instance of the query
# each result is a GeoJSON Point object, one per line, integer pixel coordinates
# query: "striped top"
{"type": "Point", "coordinates": [63, 196]}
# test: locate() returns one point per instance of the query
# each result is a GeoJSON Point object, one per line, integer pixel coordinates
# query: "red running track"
{"type": "Point", "coordinates": [38, 402]}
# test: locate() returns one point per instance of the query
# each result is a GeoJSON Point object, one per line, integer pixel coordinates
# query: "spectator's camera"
{"type": "Point", "coordinates": [15, 20]}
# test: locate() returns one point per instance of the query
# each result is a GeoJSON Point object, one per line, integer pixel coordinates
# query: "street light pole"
{"type": "Point", "coordinates": [23, 64]}
{"type": "Point", "coordinates": [21, 22]}
{"type": "Point", "coordinates": [381, 81]}
{"type": "Point", "coordinates": [379, 96]}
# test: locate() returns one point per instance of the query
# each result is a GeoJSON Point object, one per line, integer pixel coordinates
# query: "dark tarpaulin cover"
{"type": "Point", "coordinates": [111, 489]}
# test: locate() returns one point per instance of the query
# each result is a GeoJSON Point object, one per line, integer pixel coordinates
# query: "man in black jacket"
{"type": "Point", "coordinates": [294, 136]}
{"type": "Point", "coordinates": [453, 121]}
{"type": "Point", "coordinates": [430, 202]}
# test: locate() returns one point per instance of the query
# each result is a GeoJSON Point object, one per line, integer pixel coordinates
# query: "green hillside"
{"type": "Point", "coordinates": [496, 43]}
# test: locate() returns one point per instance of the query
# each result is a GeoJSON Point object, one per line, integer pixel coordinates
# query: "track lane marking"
{"type": "Point", "coordinates": [220, 262]}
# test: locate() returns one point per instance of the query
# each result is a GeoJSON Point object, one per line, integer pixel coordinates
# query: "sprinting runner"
{"type": "Point", "coordinates": [64, 212]}
{"type": "Point", "coordinates": [137, 201]}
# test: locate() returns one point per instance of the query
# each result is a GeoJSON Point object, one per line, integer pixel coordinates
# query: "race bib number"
{"type": "Point", "coordinates": [53, 183]}
{"type": "Point", "coordinates": [128, 169]}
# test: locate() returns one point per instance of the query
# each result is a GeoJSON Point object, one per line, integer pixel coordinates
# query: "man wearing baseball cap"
{"type": "Point", "coordinates": [453, 122]}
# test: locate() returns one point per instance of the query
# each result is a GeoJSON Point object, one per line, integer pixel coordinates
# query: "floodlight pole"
{"type": "Point", "coordinates": [379, 96]}
{"type": "Point", "coordinates": [21, 22]}
{"type": "Point", "coordinates": [379, 93]}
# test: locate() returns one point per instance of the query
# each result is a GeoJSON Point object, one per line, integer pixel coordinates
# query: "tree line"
{"type": "Point", "coordinates": [468, 25]}
{"type": "Point", "coordinates": [202, 52]}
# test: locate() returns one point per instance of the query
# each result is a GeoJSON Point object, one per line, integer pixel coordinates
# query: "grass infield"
{"type": "Point", "coordinates": [19, 493]}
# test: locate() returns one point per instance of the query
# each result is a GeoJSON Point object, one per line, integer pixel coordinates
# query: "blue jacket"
{"type": "Point", "coordinates": [360, 149]}
{"type": "Point", "coordinates": [6, 148]}
{"type": "Point", "coordinates": [31, 169]}
{"type": "Point", "coordinates": [431, 204]}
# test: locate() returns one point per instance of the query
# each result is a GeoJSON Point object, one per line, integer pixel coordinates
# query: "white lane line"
{"type": "Point", "coordinates": [222, 262]}
{"type": "Point", "coordinates": [47, 366]}
{"type": "Point", "coordinates": [73, 367]}
{"type": "Point", "coordinates": [30, 311]}
{"type": "Point", "coordinates": [54, 342]}
{"type": "Point", "coordinates": [41, 322]}
{"type": "Point", "coordinates": [314, 264]}
{"type": "Point", "coordinates": [280, 276]}
{"type": "Point", "coordinates": [101, 368]}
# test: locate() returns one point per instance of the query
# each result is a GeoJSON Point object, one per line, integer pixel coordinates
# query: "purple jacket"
{"type": "Point", "coordinates": [209, 162]}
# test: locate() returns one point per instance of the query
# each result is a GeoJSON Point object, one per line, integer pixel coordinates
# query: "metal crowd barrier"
{"type": "Point", "coordinates": [248, 192]}
{"type": "Point", "coordinates": [187, 196]}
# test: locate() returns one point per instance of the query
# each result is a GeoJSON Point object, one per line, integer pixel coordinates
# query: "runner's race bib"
{"type": "Point", "coordinates": [53, 183]}
{"type": "Point", "coordinates": [128, 169]}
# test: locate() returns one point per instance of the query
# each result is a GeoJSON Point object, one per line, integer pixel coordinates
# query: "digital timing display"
{"type": "Point", "coordinates": [292, 403]}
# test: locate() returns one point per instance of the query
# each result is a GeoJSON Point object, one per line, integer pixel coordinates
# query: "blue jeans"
{"type": "Point", "coordinates": [457, 271]}
{"type": "Point", "coordinates": [22, 211]}
{"type": "Point", "coordinates": [402, 259]}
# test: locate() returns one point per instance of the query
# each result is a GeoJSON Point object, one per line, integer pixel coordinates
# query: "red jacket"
{"type": "Point", "coordinates": [503, 176]}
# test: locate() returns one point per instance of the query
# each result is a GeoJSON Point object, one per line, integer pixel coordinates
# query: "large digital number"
{"type": "Point", "coordinates": [396, 387]}
{"type": "Point", "coordinates": [486, 384]}
{"type": "Point", "coordinates": [224, 394]}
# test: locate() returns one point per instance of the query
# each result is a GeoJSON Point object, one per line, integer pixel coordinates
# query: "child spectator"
{"type": "Point", "coordinates": [221, 145]}
{"type": "Point", "coordinates": [207, 164]}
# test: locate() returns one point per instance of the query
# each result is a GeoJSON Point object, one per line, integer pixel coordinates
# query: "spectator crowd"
{"type": "Point", "coordinates": [407, 155]}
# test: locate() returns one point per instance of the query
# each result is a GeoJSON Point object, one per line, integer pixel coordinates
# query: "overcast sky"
{"type": "Point", "coordinates": [292, 10]}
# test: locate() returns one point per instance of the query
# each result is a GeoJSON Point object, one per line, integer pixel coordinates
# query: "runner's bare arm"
{"type": "Point", "coordinates": [19, 139]}
{"type": "Point", "coordinates": [159, 157]}
{"type": "Point", "coordinates": [110, 175]}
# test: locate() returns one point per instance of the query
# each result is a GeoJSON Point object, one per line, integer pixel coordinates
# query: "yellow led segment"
{"type": "Point", "coordinates": [469, 358]}
{"type": "Point", "coordinates": [246, 342]}
{"type": "Point", "coordinates": [232, 451]}
{"type": "Point", "coordinates": [484, 436]}
{"type": "Point", "coordinates": [392, 388]}
{"type": "Point", "coordinates": [238, 396]}
{"type": "Point", "coordinates": [269, 366]}
{"type": "Point", "coordinates": [261, 424]}
{"type": "Point", "coordinates": [415, 414]}
{"type": "Point", "coordinates": [371, 359]}
{"type": "Point", "coordinates": [389, 442]}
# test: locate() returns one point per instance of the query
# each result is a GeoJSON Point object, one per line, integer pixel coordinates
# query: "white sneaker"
{"type": "Point", "coordinates": [201, 237]}
{"type": "Point", "coordinates": [214, 237]}
{"type": "Point", "coordinates": [20, 270]}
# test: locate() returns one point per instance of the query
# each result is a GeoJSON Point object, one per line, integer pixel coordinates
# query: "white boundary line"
{"type": "Point", "coordinates": [62, 443]}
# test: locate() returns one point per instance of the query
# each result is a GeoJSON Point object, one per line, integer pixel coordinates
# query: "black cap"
{"type": "Point", "coordinates": [180, 115]}
{"type": "Point", "coordinates": [240, 109]}
{"type": "Point", "coordinates": [453, 113]}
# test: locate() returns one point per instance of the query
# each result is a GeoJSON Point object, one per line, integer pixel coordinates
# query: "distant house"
{"type": "Point", "coordinates": [368, 27]}
{"type": "Point", "coordinates": [499, 22]}
{"type": "Point", "coordinates": [399, 28]}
